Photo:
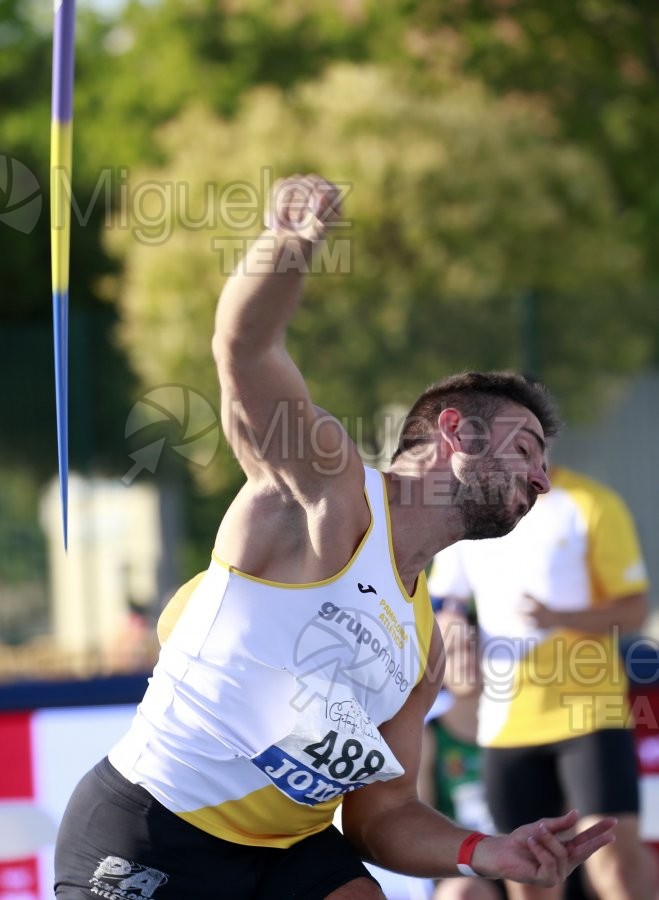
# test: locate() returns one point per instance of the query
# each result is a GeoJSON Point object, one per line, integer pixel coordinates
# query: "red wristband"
{"type": "Point", "coordinates": [466, 852]}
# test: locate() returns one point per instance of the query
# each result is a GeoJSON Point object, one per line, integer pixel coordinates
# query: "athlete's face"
{"type": "Point", "coordinates": [499, 483]}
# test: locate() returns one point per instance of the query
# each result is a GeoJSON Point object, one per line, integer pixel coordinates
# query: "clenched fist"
{"type": "Point", "coordinates": [303, 205]}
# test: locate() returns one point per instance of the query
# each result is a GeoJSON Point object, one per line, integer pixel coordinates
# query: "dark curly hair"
{"type": "Point", "coordinates": [477, 395]}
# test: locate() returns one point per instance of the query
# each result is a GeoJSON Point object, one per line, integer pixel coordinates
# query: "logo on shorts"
{"type": "Point", "coordinates": [117, 879]}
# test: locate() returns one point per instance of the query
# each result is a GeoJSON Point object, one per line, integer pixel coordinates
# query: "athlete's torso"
{"type": "Point", "coordinates": [265, 704]}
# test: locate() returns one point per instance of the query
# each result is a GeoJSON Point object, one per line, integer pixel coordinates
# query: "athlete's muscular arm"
{"type": "Point", "coordinates": [267, 412]}
{"type": "Point", "coordinates": [391, 827]}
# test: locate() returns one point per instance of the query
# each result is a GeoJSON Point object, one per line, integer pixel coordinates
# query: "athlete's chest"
{"type": "Point", "coordinates": [291, 542]}
{"type": "Point", "coordinates": [357, 634]}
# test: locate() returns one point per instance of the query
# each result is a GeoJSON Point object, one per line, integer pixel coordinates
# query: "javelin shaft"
{"type": "Point", "coordinates": [60, 224]}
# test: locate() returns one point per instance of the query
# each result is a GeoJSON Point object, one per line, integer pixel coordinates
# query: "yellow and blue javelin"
{"type": "Point", "coordinates": [61, 134]}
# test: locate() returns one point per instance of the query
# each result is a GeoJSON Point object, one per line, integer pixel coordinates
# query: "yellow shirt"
{"type": "Point", "coordinates": [576, 549]}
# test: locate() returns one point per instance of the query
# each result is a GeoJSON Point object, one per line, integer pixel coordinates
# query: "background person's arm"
{"type": "Point", "coordinates": [627, 614]}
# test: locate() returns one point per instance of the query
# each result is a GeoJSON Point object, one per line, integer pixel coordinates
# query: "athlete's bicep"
{"type": "Point", "coordinates": [274, 428]}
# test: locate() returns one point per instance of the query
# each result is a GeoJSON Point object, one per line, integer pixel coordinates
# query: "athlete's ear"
{"type": "Point", "coordinates": [449, 423]}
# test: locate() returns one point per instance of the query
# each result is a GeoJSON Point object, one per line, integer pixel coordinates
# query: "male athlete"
{"type": "Point", "coordinates": [296, 671]}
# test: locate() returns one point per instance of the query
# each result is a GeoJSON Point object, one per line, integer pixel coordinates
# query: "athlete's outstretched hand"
{"type": "Point", "coordinates": [303, 205]}
{"type": "Point", "coordinates": [542, 853]}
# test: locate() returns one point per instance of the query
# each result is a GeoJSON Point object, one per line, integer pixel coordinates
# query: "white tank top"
{"type": "Point", "coordinates": [264, 707]}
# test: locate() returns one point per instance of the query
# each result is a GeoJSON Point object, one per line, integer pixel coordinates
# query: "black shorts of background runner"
{"type": "Point", "coordinates": [594, 773]}
{"type": "Point", "coordinates": [121, 841]}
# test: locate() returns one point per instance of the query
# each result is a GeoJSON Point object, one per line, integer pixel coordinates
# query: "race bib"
{"type": "Point", "coordinates": [335, 748]}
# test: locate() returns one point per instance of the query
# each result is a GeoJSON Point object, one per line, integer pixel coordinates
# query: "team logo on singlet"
{"type": "Point", "coordinates": [372, 650]}
{"type": "Point", "coordinates": [118, 879]}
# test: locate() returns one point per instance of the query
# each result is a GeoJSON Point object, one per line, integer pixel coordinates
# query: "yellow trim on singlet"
{"type": "Point", "coordinates": [425, 620]}
{"type": "Point", "coordinates": [174, 609]}
{"type": "Point", "coordinates": [390, 544]}
{"type": "Point", "coordinates": [420, 599]}
{"type": "Point", "coordinates": [236, 820]}
{"type": "Point", "coordinates": [306, 584]}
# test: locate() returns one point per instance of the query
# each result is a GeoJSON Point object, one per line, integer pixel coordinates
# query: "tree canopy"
{"type": "Point", "coordinates": [500, 165]}
{"type": "Point", "coordinates": [461, 210]}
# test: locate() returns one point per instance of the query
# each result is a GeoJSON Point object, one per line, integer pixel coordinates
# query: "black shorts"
{"type": "Point", "coordinates": [116, 841]}
{"type": "Point", "coordinates": [593, 773]}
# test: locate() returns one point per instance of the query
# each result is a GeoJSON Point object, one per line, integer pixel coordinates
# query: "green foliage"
{"type": "Point", "coordinates": [133, 73]}
{"type": "Point", "coordinates": [502, 157]}
{"type": "Point", "coordinates": [459, 205]}
{"type": "Point", "coordinates": [21, 538]}
{"type": "Point", "coordinates": [594, 64]}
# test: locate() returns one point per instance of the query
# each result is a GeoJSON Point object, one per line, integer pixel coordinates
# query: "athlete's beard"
{"type": "Point", "coordinates": [484, 491]}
